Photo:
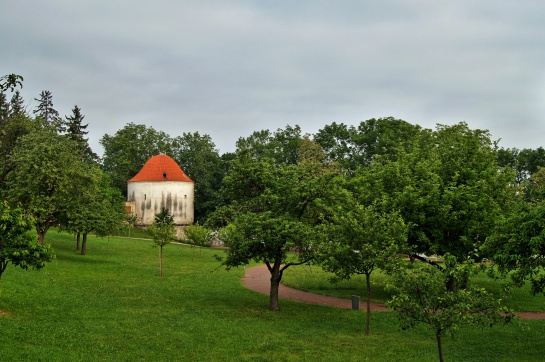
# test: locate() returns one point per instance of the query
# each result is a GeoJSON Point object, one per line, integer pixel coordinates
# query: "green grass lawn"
{"type": "Point", "coordinates": [314, 279]}
{"type": "Point", "coordinates": [111, 305]}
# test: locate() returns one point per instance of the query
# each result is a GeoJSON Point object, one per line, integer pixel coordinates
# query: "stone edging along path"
{"type": "Point", "coordinates": [257, 278]}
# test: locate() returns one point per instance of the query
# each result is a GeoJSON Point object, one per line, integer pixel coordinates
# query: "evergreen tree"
{"type": "Point", "coordinates": [17, 103]}
{"type": "Point", "coordinates": [76, 131]}
{"type": "Point", "coordinates": [45, 108]}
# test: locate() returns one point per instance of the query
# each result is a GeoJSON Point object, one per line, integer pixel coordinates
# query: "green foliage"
{"type": "Point", "coordinates": [197, 235]}
{"type": "Point", "coordinates": [278, 209]}
{"type": "Point", "coordinates": [119, 311]}
{"type": "Point", "coordinates": [518, 241]}
{"type": "Point", "coordinates": [362, 240]}
{"type": "Point", "coordinates": [163, 233]}
{"type": "Point", "coordinates": [198, 157]}
{"type": "Point", "coordinates": [45, 177]}
{"type": "Point", "coordinates": [17, 246]}
{"type": "Point", "coordinates": [128, 150]}
{"type": "Point", "coordinates": [10, 82]}
{"type": "Point", "coordinates": [422, 296]}
{"type": "Point", "coordinates": [358, 147]}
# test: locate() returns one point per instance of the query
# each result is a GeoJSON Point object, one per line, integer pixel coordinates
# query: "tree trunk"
{"type": "Point", "coordinates": [161, 261]}
{"type": "Point", "coordinates": [368, 316]}
{"type": "Point", "coordinates": [78, 236]}
{"type": "Point", "coordinates": [452, 284]}
{"type": "Point", "coordinates": [41, 230]}
{"type": "Point", "coordinates": [84, 244]}
{"type": "Point", "coordinates": [439, 346]}
{"type": "Point", "coordinates": [276, 277]}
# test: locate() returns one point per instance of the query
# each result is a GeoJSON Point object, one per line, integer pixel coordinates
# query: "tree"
{"type": "Point", "coordinates": [17, 246]}
{"type": "Point", "coordinates": [16, 126]}
{"type": "Point", "coordinates": [280, 146]}
{"type": "Point", "coordinates": [447, 187]}
{"type": "Point", "coordinates": [45, 109]}
{"type": "Point", "coordinates": [95, 206]}
{"type": "Point", "coordinates": [358, 147]}
{"type": "Point", "coordinates": [17, 104]}
{"type": "Point", "coordinates": [128, 150]}
{"type": "Point", "coordinates": [518, 241]}
{"type": "Point", "coordinates": [278, 209]}
{"type": "Point", "coordinates": [197, 235]}
{"type": "Point", "coordinates": [421, 296]}
{"type": "Point", "coordinates": [76, 131]}
{"type": "Point", "coordinates": [10, 82]}
{"type": "Point", "coordinates": [361, 241]}
{"type": "Point", "coordinates": [198, 157]}
{"type": "Point", "coordinates": [163, 233]}
{"type": "Point", "coordinates": [46, 165]}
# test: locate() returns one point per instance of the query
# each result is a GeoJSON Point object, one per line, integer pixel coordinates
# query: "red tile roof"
{"type": "Point", "coordinates": [161, 168]}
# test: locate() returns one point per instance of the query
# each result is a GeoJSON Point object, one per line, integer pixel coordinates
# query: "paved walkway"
{"type": "Point", "coordinates": [257, 278]}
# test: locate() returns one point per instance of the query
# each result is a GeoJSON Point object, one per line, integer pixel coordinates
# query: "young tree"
{"type": "Point", "coordinates": [422, 297]}
{"type": "Point", "coordinates": [197, 235]}
{"type": "Point", "coordinates": [163, 233]}
{"type": "Point", "coordinates": [278, 209]}
{"type": "Point", "coordinates": [361, 241]}
{"type": "Point", "coordinates": [17, 246]}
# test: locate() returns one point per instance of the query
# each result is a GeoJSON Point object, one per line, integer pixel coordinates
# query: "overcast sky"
{"type": "Point", "coordinates": [228, 68]}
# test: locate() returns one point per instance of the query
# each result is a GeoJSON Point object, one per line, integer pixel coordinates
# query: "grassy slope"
{"type": "Point", "coordinates": [111, 305]}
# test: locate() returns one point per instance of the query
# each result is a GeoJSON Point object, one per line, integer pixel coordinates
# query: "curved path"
{"type": "Point", "coordinates": [257, 278]}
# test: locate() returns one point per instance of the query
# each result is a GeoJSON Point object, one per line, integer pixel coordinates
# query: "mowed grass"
{"type": "Point", "coordinates": [111, 305]}
{"type": "Point", "coordinates": [313, 279]}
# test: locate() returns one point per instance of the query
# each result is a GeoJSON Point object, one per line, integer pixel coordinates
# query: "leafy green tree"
{"type": "Point", "coordinates": [95, 207]}
{"type": "Point", "coordinates": [46, 165]}
{"type": "Point", "coordinates": [361, 241]}
{"type": "Point", "coordinates": [16, 126]}
{"type": "Point", "coordinates": [280, 146]}
{"type": "Point", "coordinates": [447, 187]}
{"type": "Point", "coordinates": [198, 157]}
{"type": "Point", "coordinates": [524, 162]}
{"type": "Point", "coordinates": [45, 109]}
{"type": "Point", "coordinates": [421, 296]}
{"type": "Point", "coordinates": [10, 82]}
{"type": "Point", "coordinates": [518, 241]}
{"type": "Point", "coordinates": [358, 147]}
{"type": "Point", "coordinates": [128, 150]}
{"type": "Point", "coordinates": [17, 246]}
{"type": "Point", "coordinates": [278, 209]}
{"type": "Point", "coordinates": [197, 235]}
{"type": "Point", "coordinates": [163, 233]}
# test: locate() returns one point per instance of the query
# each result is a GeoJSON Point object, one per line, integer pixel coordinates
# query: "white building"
{"type": "Point", "coordinates": [160, 184]}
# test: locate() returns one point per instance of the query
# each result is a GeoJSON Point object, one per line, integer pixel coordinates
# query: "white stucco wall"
{"type": "Point", "coordinates": [150, 198]}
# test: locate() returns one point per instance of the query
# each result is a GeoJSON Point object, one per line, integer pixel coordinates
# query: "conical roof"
{"type": "Point", "coordinates": [161, 168]}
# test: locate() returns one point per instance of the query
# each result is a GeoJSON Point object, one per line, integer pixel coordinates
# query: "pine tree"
{"type": "Point", "coordinates": [76, 131]}
{"type": "Point", "coordinates": [17, 103]}
{"type": "Point", "coordinates": [45, 108]}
